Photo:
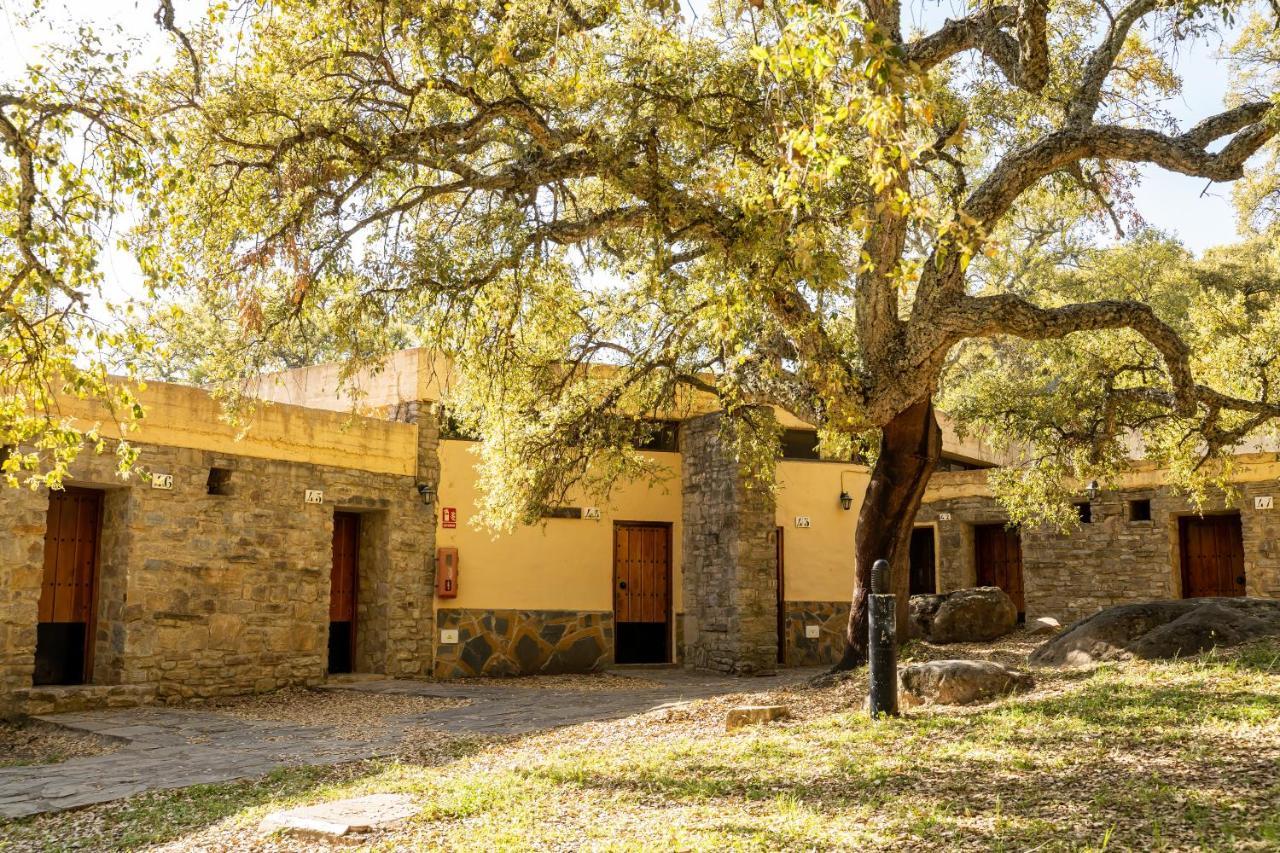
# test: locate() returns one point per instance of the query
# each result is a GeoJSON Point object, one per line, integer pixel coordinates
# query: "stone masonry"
{"type": "Point", "coordinates": [729, 576]}
{"type": "Point", "coordinates": [1111, 560]}
{"type": "Point", "coordinates": [523, 642]}
{"type": "Point", "coordinates": [202, 594]}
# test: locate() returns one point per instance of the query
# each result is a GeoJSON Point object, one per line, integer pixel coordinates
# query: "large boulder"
{"type": "Point", "coordinates": [923, 609]}
{"type": "Point", "coordinates": [974, 615]}
{"type": "Point", "coordinates": [959, 682]}
{"type": "Point", "coordinates": [1161, 629]}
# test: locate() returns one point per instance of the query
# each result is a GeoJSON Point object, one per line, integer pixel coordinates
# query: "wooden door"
{"type": "Point", "coordinates": [998, 560]}
{"type": "Point", "coordinates": [922, 558]}
{"type": "Point", "coordinates": [68, 589]}
{"type": "Point", "coordinates": [1212, 556]}
{"type": "Point", "coordinates": [641, 592]}
{"type": "Point", "coordinates": [343, 591]}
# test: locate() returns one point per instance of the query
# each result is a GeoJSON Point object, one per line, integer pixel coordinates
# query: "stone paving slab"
{"type": "Point", "coordinates": [173, 748]}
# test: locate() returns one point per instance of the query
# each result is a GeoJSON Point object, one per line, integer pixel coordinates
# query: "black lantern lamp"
{"type": "Point", "coordinates": [427, 492]}
{"type": "Point", "coordinates": [1091, 490]}
{"type": "Point", "coordinates": [846, 499]}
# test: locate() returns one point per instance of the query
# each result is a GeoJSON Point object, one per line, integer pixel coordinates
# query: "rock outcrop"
{"type": "Point", "coordinates": [975, 615]}
{"type": "Point", "coordinates": [959, 682]}
{"type": "Point", "coordinates": [1161, 629]}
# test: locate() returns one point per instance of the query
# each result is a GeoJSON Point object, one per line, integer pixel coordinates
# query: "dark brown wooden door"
{"type": "Point", "coordinates": [641, 572]}
{"type": "Point", "coordinates": [342, 578]}
{"type": "Point", "coordinates": [641, 593]}
{"type": "Point", "coordinates": [70, 556]}
{"type": "Point", "coordinates": [68, 588]}
{"type": "Point", "coordinates": [343, 591]}
{"type": "Point", "coordinates": [1212, 556]}
{"type": "Point", "coordinates": [998, 559]}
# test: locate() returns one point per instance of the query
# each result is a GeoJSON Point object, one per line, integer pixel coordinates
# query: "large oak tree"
{"type": "Point", "coordinates": [775, 203]}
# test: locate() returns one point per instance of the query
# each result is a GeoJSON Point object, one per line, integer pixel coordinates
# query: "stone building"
{"type": "Point", "coordinates": [320, 541]}
{"type": "Point", "coordinates": [1136, 542]}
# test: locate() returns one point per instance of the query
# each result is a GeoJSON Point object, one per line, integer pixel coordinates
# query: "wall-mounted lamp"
{"type": "Point", "coordinates": [1091, 490]}
{"type": "Point", "coordinates": [846, 499]}
{"type": "Point", "coordinates": [427, 492]}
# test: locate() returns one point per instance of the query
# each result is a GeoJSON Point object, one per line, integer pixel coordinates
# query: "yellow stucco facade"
{"type": "Point", "coordinates": [559, 564]}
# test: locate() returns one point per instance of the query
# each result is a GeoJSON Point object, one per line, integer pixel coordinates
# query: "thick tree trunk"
{"type": "Point", "coordinates": [910, 446]}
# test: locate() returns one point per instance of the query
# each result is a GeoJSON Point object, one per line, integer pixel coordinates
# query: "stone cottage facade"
{"type": "Point", "coordinates": [319, 541]}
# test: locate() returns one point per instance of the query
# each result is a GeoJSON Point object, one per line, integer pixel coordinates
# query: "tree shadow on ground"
{"type": "Point", "coordinates": [1121, 761]}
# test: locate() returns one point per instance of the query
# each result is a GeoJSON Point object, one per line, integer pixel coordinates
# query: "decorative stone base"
{"type": "Point", "coordinates": [35, 701]}
{"type": "Point", "coordinates": [831, 617]}
{"type": "Point", "coordinates": [523, 642]}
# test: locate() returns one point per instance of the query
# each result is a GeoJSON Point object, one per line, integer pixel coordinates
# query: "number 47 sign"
{"type": "Point", "coordinates": [1264, 502]}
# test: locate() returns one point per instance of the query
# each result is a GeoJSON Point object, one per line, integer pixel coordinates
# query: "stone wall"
{"type": "Point", "coordinates": [1111, 560]}
{"type": "Point", "coordinates": [730, 577]}
{"type": "Point", "coordinates": [831, 617]}
{"type": "Point", "coordinates": [523, 642]}
{"type": "Point", "coordinates": [203, 594]}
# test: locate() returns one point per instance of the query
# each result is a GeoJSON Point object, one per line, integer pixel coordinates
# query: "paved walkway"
{"type": "Point", "coordinates": [173, 748]}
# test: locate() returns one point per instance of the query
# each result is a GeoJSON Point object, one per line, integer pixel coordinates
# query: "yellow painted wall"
{"type": "Point", "coordinates": [561, 564]}
{"type": "Point", "coordinates": [182, 416]}
{"type": "Point", "coordinates": [818, 560]}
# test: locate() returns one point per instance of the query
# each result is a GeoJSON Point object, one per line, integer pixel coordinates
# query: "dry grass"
{"type": "Point", "coordinates": [1182, 755]}
{"type": "Point", "coordinates": [33, 742]}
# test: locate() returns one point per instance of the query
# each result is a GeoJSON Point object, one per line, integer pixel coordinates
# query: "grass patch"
{"type": "Point", "coordinates": [1125, 756]}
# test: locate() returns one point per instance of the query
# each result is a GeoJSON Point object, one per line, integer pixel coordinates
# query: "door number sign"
{"type": "Point", "coordinates": [313, 496]}
{"type": "Point", "coordinates": [1264, 502]}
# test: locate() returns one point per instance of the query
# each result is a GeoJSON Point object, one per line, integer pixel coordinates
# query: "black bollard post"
{"type": "Point", "coordinates": [882, 644]}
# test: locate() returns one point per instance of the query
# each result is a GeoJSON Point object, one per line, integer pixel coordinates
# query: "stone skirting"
{"type": "Point", "coordinates": [831, 617]}
{"type": "Point", "coordinates": [522, 642]}
{"type": "Point", "coordinates": [80, 697]}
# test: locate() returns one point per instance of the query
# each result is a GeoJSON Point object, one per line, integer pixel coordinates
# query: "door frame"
{"type": "Point", "coordinates": [91, 623]}
{"type": "Point", "coordinates": [668, 639]}
{"type": "Point", "coordinates": [355, 585]}
{"type": "Point", "coordinates": [1179, 522]}
{"type": "Point", "coordinates": [937, 554]}
{"type": "Point", "coordinates": [780, 551]}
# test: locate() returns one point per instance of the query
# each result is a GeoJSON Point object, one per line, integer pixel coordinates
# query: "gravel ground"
{"type": "Point", "coordinates": [592, 682]}
{"type": "Point", "coordinates": [34, 742]}
{"type": "Point", "coordinates": [1081, 778]}
{"type": "Point", "coordinates": [352, 714]}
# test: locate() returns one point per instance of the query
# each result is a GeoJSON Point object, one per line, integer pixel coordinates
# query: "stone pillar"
{"type": "Point", "coordinates": [411, 579]}
{"type": "Point", "coordinates": [21, 570]}
{"type": "Point", "coordinates": [729, 563]}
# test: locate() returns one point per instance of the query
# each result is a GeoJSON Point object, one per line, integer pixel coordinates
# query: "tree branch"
{"type": "Point", "coordinates": [1024, 60]}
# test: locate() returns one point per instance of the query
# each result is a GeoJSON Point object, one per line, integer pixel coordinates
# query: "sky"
{"type": "Point", "coordinates": [1200, 215]}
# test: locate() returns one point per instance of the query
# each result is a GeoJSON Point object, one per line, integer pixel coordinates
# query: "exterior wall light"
{"type": "Point", "coordinates": [427, 492]}
{"type": "Point", "coordinates": [1091, 490]}
{"type": "Point", "coordinates": [846, 500]}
